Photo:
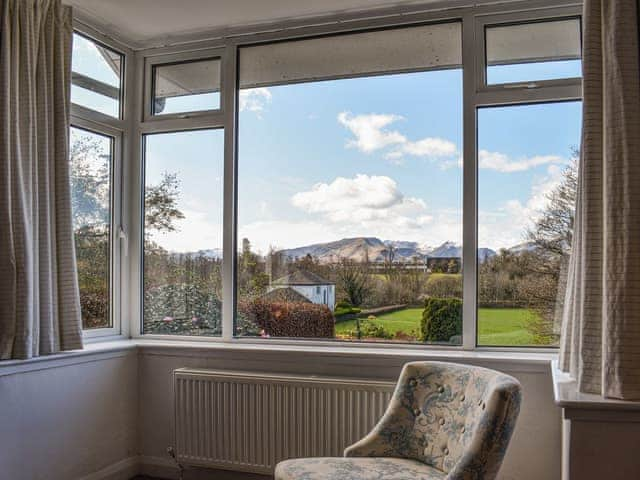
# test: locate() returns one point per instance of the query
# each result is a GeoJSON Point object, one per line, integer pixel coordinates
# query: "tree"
{"type": "Point", "coordinates": [252, 276]}
{"type": "Point", "coordinates": [551, 235]}
{"type": "Point", "coordinates": [89, 172]}
{"type": "Point", "coordinates": [353, 281]}
{"type": "Point", "coordinates": [552, 232]}
{"type": "Point", "coordinates": [161, 204]}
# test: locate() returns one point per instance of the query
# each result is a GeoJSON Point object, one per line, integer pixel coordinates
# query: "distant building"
{"type": "Point", "coordinates": [308, 284]}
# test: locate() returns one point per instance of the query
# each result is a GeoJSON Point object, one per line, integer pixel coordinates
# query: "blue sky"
{"type": "Point", "coordinates": [377, 156]}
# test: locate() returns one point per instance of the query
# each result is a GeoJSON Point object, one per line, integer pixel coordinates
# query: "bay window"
{"type": "Point", "coordinates": [397, 181]}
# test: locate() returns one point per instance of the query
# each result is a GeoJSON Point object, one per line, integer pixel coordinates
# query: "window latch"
{"type": "Point", "coordinates": [124, 243]}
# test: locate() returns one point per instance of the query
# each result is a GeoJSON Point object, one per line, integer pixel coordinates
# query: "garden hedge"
{"type": "Point", "coordinates": [441, 319]}
{"type": "Point", "coordinates": [289, 319]}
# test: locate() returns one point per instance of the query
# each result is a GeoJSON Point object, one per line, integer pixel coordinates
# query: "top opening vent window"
{"type": "Point", "coordinates": [96, 76]}
{"type": "Point", "coordinates": [528, 52]}
{"type": "Point", "coordinates": [192, 86]}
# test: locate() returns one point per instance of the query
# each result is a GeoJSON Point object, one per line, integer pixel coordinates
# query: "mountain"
{"type": "Point", "coordinates": [446, 250]}
{"type": "Point", "coordinates": [485, 253]}
{"type": "Point", "coordinates": [215, 253]}
{"type": "Point", "coordinates": [357, 249]}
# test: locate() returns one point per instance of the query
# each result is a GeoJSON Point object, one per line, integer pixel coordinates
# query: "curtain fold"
{"type": "Point", "coordinates": [39, 297]}
{"type": "Point", "coordinates": [600, 341]}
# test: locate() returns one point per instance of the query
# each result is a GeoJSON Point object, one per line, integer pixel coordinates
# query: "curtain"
{"type": "Point", "coordinates": [600, 342]}
{"type": "Point", "coordinates": [39, 298]}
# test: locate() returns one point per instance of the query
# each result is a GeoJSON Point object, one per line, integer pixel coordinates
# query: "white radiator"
{"type": "Point", "coordinates": [250, 421]}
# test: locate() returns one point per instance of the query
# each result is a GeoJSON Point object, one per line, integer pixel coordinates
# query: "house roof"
{"type": "Point", "coordinates": [284, 294]}
{"type": "Point", "coordinates": [302, 277]}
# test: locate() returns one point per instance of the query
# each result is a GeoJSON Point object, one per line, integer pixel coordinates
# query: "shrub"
{"type": "Point", "coordinates": [441, 319]}
{"type": "Point", "coordinates": [339, 311]}
{"type": "Point", "coordinates": [343, 304]}
{"type": "Point", "coordinates": [444, 286]}
{"type": "Point", "coordinates": [182, 308]}
{"type": "Point", "coordinates": [95, 308]}
{"type": "Point", "coordinates": [289, 319]}
{"type": "Point", "coordinates": [371, 330]}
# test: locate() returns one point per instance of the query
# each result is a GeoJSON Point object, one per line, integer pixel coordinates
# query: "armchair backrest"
{"type": "Point", "coordinates": [454, 417]}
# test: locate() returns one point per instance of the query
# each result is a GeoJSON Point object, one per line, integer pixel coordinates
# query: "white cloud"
{"type": "Point", "coordinates": [506, 226]}
{"type": "Point", "coordinates": [431, 147]}
{"type": "Point", "coordinates": [254, 99]}
{"type": "Point", "coordinates": [364, 203]}
{"type": "Point", "coordinates": [502, 163]}
{"type": "Point", "coordinates": [371, 134]}
{"type": "Point", "coordinates": [370, 131]}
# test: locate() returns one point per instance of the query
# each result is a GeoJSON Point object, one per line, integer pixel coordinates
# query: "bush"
{"type": "Point", "coordinates": [343, 304]}
{"type": "Point", "coordinates": [182, 308]}
{"type": "Point", "coordinates": [371, 330]}
{"type": "Point", "coordinates": [95, 308]}
{"type": "Point", "coordinates": [339, 311]}
{"type": "Point", "coordinates": [289, 319]}
{"type": "Point", "coordinates": [441, 319]}
{"type": "Point", "coordinates": [444, 286]}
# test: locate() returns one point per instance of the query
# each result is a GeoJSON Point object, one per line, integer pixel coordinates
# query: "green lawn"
{"type": "Point", "coordinates": [498, 326]}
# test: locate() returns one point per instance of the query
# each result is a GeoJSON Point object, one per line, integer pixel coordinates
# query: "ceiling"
{"type": "Point", "coordinates": [146, 23]}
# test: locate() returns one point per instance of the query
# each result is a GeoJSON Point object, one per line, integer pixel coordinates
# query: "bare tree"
{"type": "Point", "coordinates": [353, 281]}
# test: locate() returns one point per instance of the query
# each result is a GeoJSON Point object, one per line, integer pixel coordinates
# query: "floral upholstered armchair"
{"type": "Point", "coordinates": [445, 421]}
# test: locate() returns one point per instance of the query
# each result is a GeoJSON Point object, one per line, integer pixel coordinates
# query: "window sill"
{"type": "Point", "coordinates": [508, 361]}
{"type": "Point", "coordinates": [92, 352]}
{"type": "Point", "coordinates": [567, 395]}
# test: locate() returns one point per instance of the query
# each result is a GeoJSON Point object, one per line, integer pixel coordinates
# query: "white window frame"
{"type": "Point", "coordinates": [173, 59]}
{"type": "Point", "coordinates": [476, 94]}
{"type": "Point", "coordinates": [119, 130]}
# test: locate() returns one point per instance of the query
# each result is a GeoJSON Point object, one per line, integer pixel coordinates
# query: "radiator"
{"type": "Point", "coordinates": [250, 421]}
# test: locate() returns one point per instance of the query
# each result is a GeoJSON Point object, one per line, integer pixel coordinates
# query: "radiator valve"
{"type": "Point", "coordinates": [172, 453]}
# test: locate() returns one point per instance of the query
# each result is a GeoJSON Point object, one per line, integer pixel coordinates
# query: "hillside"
{"type": "Point", "coordinates": [357, 249]}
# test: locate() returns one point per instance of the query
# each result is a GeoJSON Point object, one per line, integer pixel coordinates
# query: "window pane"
{"type": "Point", "coordinates": [349, 197]}
{"type": "Point", "coordinates": [186, 87]}
{"type": "Point", "coordinates": [90, 156]}
{"type": "Point", "coordinates": [533, 51]}
{"type": "Point", "coordinates": [95, 77]}
{"type": "Point", "coordinates": [527, 187]}
{"type": "Point", "coordinates": [183, 233]}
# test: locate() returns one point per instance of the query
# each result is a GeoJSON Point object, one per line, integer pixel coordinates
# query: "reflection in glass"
{"type": "Point", "coordinates": [90, 157]}
{"type": "Point", "coordinates": [95, 76]}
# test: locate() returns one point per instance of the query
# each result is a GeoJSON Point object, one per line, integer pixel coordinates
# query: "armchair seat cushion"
{"type": "Point", "coordinates": [356, 468]}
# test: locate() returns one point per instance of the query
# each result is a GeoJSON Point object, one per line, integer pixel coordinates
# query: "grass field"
{"type": "Point", "coordinates": [497, 326]}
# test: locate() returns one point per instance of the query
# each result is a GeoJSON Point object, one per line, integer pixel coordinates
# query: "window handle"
{"type": "Point", "coordinates": [124, 243]}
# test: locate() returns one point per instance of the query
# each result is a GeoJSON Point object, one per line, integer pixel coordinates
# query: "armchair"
{"type": "Point", "coordinates": [445, 421]}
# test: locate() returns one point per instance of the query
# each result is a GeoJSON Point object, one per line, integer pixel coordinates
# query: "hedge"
{"type": "Point", "coordinates": [441, 319]}
{"type": "Point", "coordinates": [289, 319]}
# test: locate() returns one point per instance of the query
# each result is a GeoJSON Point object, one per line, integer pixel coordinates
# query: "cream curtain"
{"type": "Point", "coordinates": [600, 344]}
{"type": "Point", "coordinates": [39, 299]}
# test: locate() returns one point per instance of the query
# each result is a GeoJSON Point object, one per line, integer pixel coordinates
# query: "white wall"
{"type": "Point", "coordinates": [69, 421]}
{"type": "Point", "coordinates": [534, 453]}
{"type": "Point", "coordinates": [312, 293]}
{"type": "Point", "coordinates": [66, 422]}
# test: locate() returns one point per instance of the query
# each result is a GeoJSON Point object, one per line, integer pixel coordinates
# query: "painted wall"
{"type": "Point", "coordinates": [69, 421]}
{"type": "Point", "coordinates": [66, 422]}
{"type": "Point", "coordinates": [534, 453]}
{"type": "Point", "coordinates": [321, 294]}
